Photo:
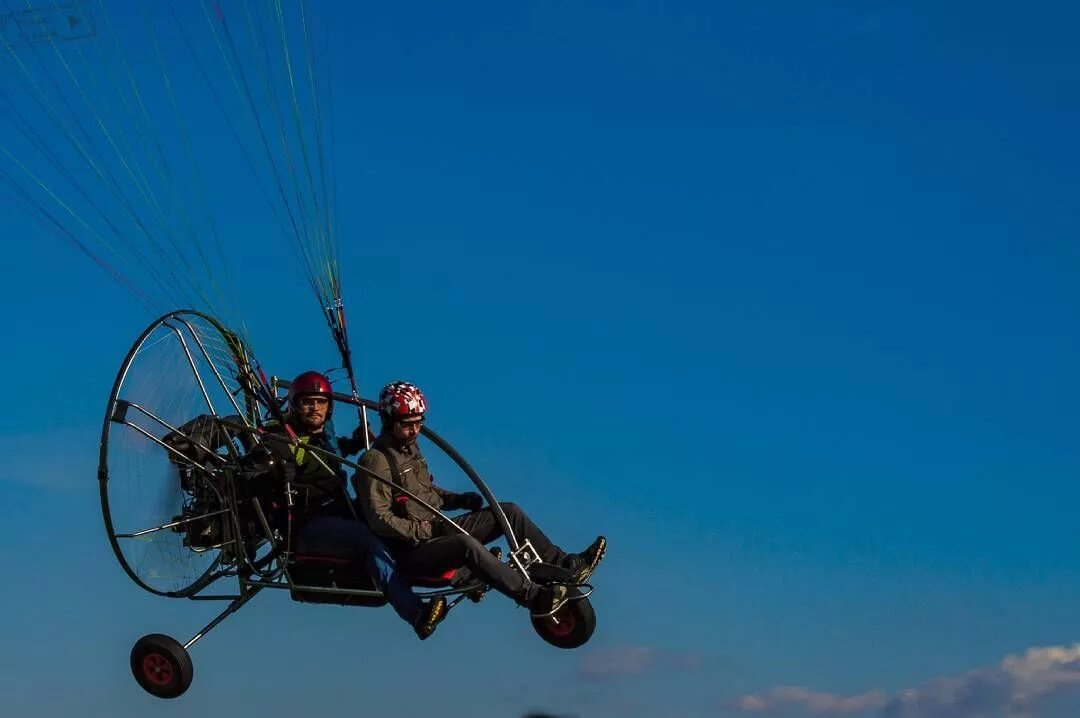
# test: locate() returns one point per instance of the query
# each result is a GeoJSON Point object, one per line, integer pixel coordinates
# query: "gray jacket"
{"type": "Point", "coordinates": [389, 512]}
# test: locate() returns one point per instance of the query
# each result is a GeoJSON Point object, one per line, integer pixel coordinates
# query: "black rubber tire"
{"type": "Point", "coordinates": [575, 626]}
{"type": "Point", "coordinates": [161, 665]}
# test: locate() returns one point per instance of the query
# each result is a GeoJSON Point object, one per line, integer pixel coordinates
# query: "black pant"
{"type": "Point", "coordinates": [445, 552]}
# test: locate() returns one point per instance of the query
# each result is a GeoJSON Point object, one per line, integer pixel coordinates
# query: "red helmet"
{"type": "Point", "coordinates": [402, 400]}
{"type": "Point", "coordinates": [311, 383]}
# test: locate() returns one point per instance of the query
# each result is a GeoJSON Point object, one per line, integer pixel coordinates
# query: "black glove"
{"type": "Point", "coordinates": [438, 527]}
{"type": "Point", "coordinates": [470, 501]}
{"type": "Point", "coordinates": [354, 443]}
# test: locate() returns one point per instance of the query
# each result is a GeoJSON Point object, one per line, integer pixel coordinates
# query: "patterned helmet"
{"type": "Point", "coordinates": [402, 400]}
{"type": "Point", "coordinates": [311, 383]}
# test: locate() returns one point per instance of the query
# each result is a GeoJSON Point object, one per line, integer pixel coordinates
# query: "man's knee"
{"type": "Point", "coordinates": [511, 509]}
{"type": "Point", "coordinates": [458, 545]}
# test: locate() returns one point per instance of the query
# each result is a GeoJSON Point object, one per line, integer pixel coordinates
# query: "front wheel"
{"type": "Point", "coordinates": [571, 626]}
{"type": "Point", "coordinates": [161, 665]}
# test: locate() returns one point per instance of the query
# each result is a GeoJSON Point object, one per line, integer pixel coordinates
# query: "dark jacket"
{"type": "Point", "coordinates": [319, 482]}
{"type": "Point", "coordinates": [389, 512]}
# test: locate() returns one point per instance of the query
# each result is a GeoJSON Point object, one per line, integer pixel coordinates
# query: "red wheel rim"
{"type": "Point", "coordinates": [567, 622]}
{"type": "Point", "coordinates": [157, 669]}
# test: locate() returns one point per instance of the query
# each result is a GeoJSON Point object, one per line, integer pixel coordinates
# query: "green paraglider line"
{"type": "Point", "coordinates": [303, 172]}
{"type": "Point", "coordinates": [44, 215]}
{"type": "Point", "coordinates": [97, 167]}
{"type": "Point", "coordinates": [225, 115]}
{"type": "Point", "coordinates": [196, 175]}
{"type": "Point", "coordinates": [244, 89]}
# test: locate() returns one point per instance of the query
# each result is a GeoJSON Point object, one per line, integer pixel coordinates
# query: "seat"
{"type": "Point", "coordinates": [337, 572]}
{"type": "Point", "coordinates": [331, 572]}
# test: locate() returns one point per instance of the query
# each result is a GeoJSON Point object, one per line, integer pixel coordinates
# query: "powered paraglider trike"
{"type": "Point", "coordinates": [186, 499]}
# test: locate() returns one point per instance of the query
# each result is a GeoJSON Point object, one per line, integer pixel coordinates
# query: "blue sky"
{"type": "Point", "coordinates": [778, 296]}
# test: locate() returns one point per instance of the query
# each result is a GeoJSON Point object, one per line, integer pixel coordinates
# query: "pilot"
{"type": "Point", "coordinates": [323, 521]}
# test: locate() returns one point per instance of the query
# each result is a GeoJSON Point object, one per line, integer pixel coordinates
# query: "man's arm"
{"type": "Point", "coordinates": [450, 499]}
{"type": "Point", "coordinates": [349, 445]}
{"type": "Point", "coordinates": [376, 500]}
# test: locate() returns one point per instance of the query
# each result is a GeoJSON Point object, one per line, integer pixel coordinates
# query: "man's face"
{"type": "Point", "coordinates": [406, 430]}
{"type": "Point", "coordinates": [311, 412]}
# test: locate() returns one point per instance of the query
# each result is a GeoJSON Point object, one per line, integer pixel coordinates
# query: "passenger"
{"type": "Point", "coordinates": [422, 542]}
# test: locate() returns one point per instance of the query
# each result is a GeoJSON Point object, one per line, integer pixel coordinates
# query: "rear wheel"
{"type": "Point", "coordinates": [161, 665]}
{"type": "Point", "coordinates": [571, 626]}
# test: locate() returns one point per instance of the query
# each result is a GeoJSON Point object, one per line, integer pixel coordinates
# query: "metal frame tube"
{"type": "Point", "coordinates": [229, 610]}
{"type": "Point", "coordinates": [217, 374]}
{"type": "Point", "coordinates": [172, 429]}
{"type": "Point", "coordinates": [316, 589]}
{"type": "Point", "coordinates": [191, 362]}
{"type": "Point", "coordinates": [362, 592]}
{"type": "Point", "coordinates": [174, 524]}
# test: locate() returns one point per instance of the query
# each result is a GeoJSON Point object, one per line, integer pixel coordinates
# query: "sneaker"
{"type": "Point", "coordinates": [430, 615]}
{"type": "Point", "coordinates": [549, 599]}
{"type": "Point", "coordinates": [582, 565]}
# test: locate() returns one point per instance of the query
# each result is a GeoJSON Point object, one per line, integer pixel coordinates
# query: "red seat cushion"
{"type": "Point", "coordinates": [434, 581]}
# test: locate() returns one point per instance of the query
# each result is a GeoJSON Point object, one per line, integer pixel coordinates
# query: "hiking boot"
{"type": "Point", "coordinates": [548, 600]}
{"type": "Point", "coordinates": [431, 614]}
{"type": "Point", "coordinates": [581, 565]}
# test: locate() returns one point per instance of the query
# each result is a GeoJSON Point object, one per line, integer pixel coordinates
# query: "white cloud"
{"type": "Point", "coordinates": [784, 697]}
{"type": "Point", "coordinates": [1014, 688]}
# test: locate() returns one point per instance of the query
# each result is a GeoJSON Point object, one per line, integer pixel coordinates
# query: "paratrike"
{"type": "Point", "coordinates": [188, 491]}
